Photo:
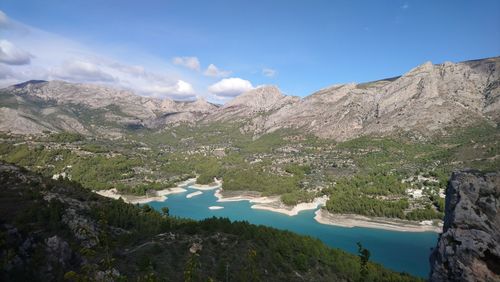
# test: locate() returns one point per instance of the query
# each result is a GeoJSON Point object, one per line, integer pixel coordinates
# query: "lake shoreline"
{"type": "Point", "coordinates": [250, 196]}
{"type": "Point", "coordinates": [206, 187]}
{"type": "Point", "coordinates": [274, 204]}
{"type": "Point", "coordinates": [291, 210]}
{"type": "Point", "coordinates": [271, 203]}
{"type": "Point", "coordinates": [353, 220]}
{"type": "Point", "coordinates": [160, 195]}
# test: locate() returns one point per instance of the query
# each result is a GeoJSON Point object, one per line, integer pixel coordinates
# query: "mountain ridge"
{"type": "Point", "coordinates": [425, 100]}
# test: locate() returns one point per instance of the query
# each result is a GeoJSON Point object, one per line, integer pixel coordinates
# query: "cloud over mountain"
{"type": "Point", "coordinates": [60, 58]}
{"type": "Point", "coordinates": [11, 54]}
{"type": "Point", "coordinates": [230, 87]}
{"type": "Point", "coordinates": [181, 90]}
{"type": "Point", "coordinates": [84, 71]}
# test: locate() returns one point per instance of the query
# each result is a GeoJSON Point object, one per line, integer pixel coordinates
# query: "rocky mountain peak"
{"type": "Point", "coordinates": [29, 83]}
{"type": "Point", "coordinates": [198, 105]}
{"type": "Point", "coordinates": [92, 95]}
{"type": "Point", "coordinates": [168, 105]}
{"type": "Point", "coordinates": [200, 101]}
{"type": "Point", "coordinates": [36, 106]}
{"type": "Point", "coordinates": [423, 68]}
{"type": "Point", "coordinates": [263, 97]}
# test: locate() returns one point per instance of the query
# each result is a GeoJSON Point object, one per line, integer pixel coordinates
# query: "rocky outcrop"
{"type": "Point", "coordinates": [469, 247]}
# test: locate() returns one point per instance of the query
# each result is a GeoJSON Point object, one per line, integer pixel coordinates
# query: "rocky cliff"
{"type": "Point", "coordinates": [469, 247]}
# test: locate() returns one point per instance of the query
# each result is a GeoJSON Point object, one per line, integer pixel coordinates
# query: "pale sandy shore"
{"type": "Point", "coordinates": [236, 196]}
{"type": "Point", "coordinates": [217, 184]}
{"type": "Point", "coordinates": [291, 210]}
{"type": "Point", "coordinates": [215, 208]}
{"type": "Point", "coordinates": [160, 195]}
{"type": "Point", "coordinates": [190, 195]}
{"type": "Point", "coordinates": [273, 204]}
{"type": "Point", "coordinates": [186, 182]}
{"type": "Point", "coordinates": [353, 220]}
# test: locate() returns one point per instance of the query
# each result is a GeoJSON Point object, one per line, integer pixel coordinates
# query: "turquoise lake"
{"type": "Point", "coordinates": [400, 251]}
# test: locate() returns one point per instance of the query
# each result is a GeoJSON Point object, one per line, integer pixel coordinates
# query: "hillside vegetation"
{"type": "Point", "coordinates": [58, 230]}
{"type": "Point", "coordinates": [370, 175]}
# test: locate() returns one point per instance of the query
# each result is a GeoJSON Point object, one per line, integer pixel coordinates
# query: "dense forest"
{"type": "Point", "coordinates": [378, 195]}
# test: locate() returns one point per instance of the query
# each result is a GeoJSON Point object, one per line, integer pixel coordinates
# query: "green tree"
{"type": "Point", "coordinates": [191, 269]}
{"type": "Point", "coordinates": [364, 257]}
{"type": "Point", "coordinates": [165, 211]}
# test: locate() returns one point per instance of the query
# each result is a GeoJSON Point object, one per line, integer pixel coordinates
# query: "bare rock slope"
{"type": "Point", "coordinates": [427, 99]}
{"type": "Point", "coordinates": [35, 106]}
{"type": "Point", "coordinates": [469, 247]}
{"type": "Point", "coordinates": [255, 102]}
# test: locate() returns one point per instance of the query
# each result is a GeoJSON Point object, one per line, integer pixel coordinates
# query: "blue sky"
{"type": "Point", "coordinates": [164, 48]}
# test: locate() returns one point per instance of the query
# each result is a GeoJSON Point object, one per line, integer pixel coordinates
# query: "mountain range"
{"type": "Point", "coordinates": [424, 101]}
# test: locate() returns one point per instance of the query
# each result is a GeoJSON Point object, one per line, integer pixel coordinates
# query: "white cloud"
{"type": "Point", "coordinates": [214, 71]}
{"type": "Point", "coordinates": [78, 70]}
{"type": "Point", "coordinates": [269, 72]}
{"type": "Point", "coordinates": [230, 87]}
{"type": "Point", "coordinates": [62, 58]}
{"type": "Point", "coordinates": [189, 62]}
{"type": "Point", "coordinates": [180, 90]}
{"type": "Point", "coordinates": [11, 54]}
{"type": "Point", "coordinates": [405, 6]}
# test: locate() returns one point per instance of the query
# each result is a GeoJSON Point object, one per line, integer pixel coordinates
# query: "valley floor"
{"type": "Point", "coordinates": [274, 204]}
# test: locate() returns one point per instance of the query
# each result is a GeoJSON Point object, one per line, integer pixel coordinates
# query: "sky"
{"type": "Point", "coordinates": [219, 49]}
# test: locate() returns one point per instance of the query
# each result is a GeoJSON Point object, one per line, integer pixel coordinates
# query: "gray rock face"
{"type": "Point", "coordinates": [253, 104]}
{"type": "Point", "coordinates": [58, 249]}
{"type": "Point", "coordinates": [261, 98]}
{"type": "Point", "coordinates": [469, 247]}
{"type": "Point", "coordinates": [427, 99]}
